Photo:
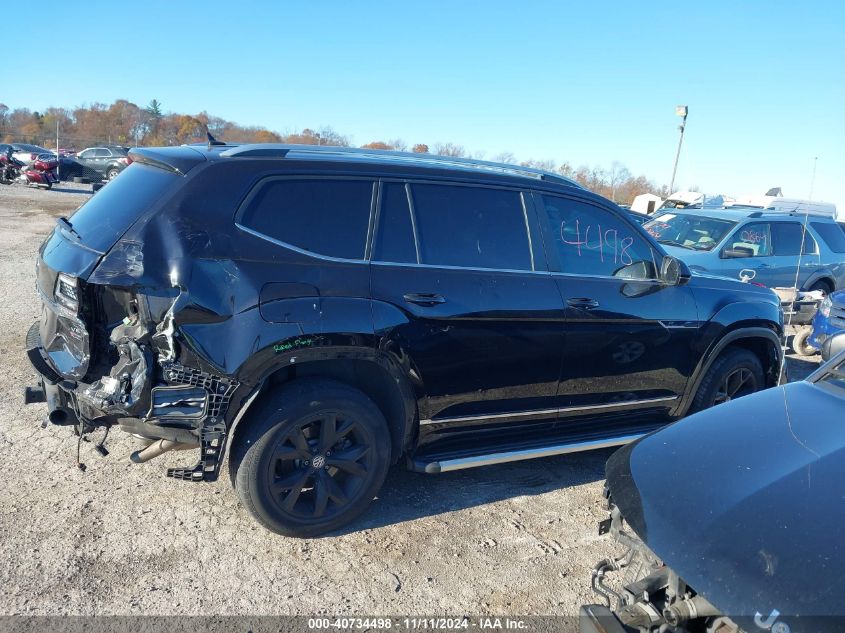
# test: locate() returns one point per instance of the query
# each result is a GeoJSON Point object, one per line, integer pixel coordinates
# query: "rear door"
{"type": "Point", "coordinates": [629, 337]}
{"type": "Point", "coordinates": [791, 245]}
{"type": "Point", "coordinates": [462, 294]}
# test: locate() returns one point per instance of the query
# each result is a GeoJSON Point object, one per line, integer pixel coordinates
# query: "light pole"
{"type": "Point", "coordinates": [681, 111]}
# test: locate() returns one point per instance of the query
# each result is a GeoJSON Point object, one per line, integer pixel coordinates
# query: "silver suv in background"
{"type": "Point", "coordinates": [727, 241]}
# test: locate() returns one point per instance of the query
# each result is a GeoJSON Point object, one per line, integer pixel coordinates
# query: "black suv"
{"type": "Point", "coordinates": [325, 313]}
{"type": "Point", "coordinates": [97, 163]}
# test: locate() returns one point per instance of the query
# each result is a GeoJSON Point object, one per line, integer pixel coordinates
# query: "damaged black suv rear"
{"type": "Point", "coordinates": [323, 313]}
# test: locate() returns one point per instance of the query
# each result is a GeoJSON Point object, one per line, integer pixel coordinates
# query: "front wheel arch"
{"type": "Point", "coordinates": [762, 341]}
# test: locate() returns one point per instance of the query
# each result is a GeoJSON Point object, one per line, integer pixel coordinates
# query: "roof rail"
{"type": "Point", "coordinates": [267, 150]}
{"type": "Point", "coordinates": [279, 150]}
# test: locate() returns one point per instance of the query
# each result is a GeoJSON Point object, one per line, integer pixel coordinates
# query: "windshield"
{"type": "Point", "coordinates": [695, 232]}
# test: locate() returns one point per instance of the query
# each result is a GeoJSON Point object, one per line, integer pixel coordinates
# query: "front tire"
{"type": "Point", "coordinates": [112, 173]}
{"type": "Point", "coordinates": [311, 457]}
{"type": "Point", "coordinates": [735, 373]}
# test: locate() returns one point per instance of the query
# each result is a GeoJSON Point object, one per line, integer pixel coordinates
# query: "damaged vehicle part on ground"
{"type": "Point", "coordinates": [730, 519]}
{"type": "Point", "coordinates": [321, 313]}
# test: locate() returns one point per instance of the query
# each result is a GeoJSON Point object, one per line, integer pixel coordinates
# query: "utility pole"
{"type": "Point", "coordinates": [813, 179]}
{"type": "Point", "coordinates": [680, 111]}
{"type": "Point", "coordinates": [58, 157]}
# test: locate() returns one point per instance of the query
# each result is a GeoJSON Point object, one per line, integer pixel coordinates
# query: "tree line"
{"type": "Point", "coordinates": [126, 123]}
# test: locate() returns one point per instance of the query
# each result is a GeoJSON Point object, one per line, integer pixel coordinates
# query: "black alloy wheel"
{"type": "Point", "coordinates": [310, 456]}
{"type": "Point", "coordinates": [318, 465]}
{"type": "Point", "coordinates": [736, 372]}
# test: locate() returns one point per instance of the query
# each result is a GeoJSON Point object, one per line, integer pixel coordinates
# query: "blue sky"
{"type": "Point", "coordinates": [584, 82]}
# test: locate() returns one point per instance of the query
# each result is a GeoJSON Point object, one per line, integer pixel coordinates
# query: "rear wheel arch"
{"type": "Point", "coordinates": [376, 377]}
{"type": "Point", "coordinates": [827, 282]}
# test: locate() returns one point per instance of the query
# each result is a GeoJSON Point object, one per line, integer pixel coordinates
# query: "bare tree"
{"type": "Point", "coordinates": [449, 149]}
{"type": "Point", "coordinates": [505, 157]}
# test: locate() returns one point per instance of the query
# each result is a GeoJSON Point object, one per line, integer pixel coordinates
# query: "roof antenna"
{"type": "Point", "coordinates": [212, 141]}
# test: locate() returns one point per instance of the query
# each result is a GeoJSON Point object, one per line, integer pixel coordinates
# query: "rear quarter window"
{"type": "Point", "coordinates": [833, 235]}
{"type": "Point", "coordinates": [322, 216]}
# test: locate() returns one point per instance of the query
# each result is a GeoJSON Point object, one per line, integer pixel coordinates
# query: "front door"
{"type": "Point", "coordinates": [773, 251]}
{"type": "Point", "coordinates": [629, 337]}
{"type": "Point", "coordinates": [462, 295]}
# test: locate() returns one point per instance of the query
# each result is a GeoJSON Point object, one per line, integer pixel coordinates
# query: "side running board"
{"type": "Point", "coordinates": [434, 465]}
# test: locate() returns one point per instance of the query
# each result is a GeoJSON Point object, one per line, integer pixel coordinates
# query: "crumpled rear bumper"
{"type": "Point", "coordinates": [50, 388]}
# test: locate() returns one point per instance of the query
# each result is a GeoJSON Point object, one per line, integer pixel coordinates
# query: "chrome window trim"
{"type": "Point", "coordinates": [413, 211]}
{"type": "Point", "coordinates": [558, 411]}
{"type": "Point", "coordinates": [467, 268]}
{"type": "Point", "coordinates": [296, 249]}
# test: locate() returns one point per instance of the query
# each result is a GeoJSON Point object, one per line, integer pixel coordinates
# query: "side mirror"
{"type": "Point", "coordinates": [674, 272]}
{"type": "Point", "coordinates": [737, 253]}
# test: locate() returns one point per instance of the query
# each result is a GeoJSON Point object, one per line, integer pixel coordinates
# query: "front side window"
{"type": "Point", "coordinates": [88, 153]}
{"type": "Point", "coordinates": [695, 232]}
{"type": "Point", "coordinates": [594, 241]}
{"type": "Point", "coordinates": [474, 227]}
{"type": "Point", "coordinates": [101, 152]}
{"type": "Point", "coordinates": [751, 240]}
{"type": "Point", "coordinates": [327, 217]}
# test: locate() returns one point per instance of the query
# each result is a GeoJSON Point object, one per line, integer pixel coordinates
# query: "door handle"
{"type": "Point", "coordinates": [424, 298]}
{"type": "Point", "coordinates": [584, 303]}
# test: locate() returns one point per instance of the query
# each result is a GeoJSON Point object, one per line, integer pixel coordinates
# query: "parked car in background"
{"type": "Point", "coordinates": [771, 243]}
{"type": "Point", "coordinates": [354, 308]}
{"type": "Point", "coordinates": [828, 322]}
{"type": "Point", "coordinates": [97, 163]}
{"type": "Point", "coordinates": [730, 520]}
{"type": "Point", "coordinates": [27, 153]}
{"type": "Point", "coordinates": [636, 216]}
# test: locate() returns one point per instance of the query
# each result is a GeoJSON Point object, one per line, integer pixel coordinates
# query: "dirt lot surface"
{"type": "Point", "coordinates": [122, 539]}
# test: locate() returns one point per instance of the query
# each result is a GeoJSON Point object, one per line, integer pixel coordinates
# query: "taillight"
{"type": "Point", "coordinates": [67, 292]}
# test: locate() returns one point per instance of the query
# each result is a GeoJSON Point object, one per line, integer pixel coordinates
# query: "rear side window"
{"type": "Point", "coordinates": [327, 217]}
{"type": "Point", "coordinates": [787, 238]}
{"type": "Point", "coordinates": [832, 234]}
{"type": "Point", "coordinates": [474, 227]}
{"type": "Point", "coordinates": [395, 235]}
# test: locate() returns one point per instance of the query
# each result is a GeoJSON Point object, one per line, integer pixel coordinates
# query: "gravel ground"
{"type": "Point", "coordinates": [122, 539]}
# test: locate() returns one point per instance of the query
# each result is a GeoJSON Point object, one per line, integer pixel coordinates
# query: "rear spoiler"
{"type": "Point", "coordinates": [179, 160]}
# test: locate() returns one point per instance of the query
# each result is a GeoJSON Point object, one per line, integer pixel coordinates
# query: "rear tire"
{"type": "Point", "coordinates": [311, 457]}
{"type": "Point", "coordinates": [800, 345]}
{"type": "Point", "coordinates": [735, 373]}
{"type": "Point", "coordinates": [821, 285]}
